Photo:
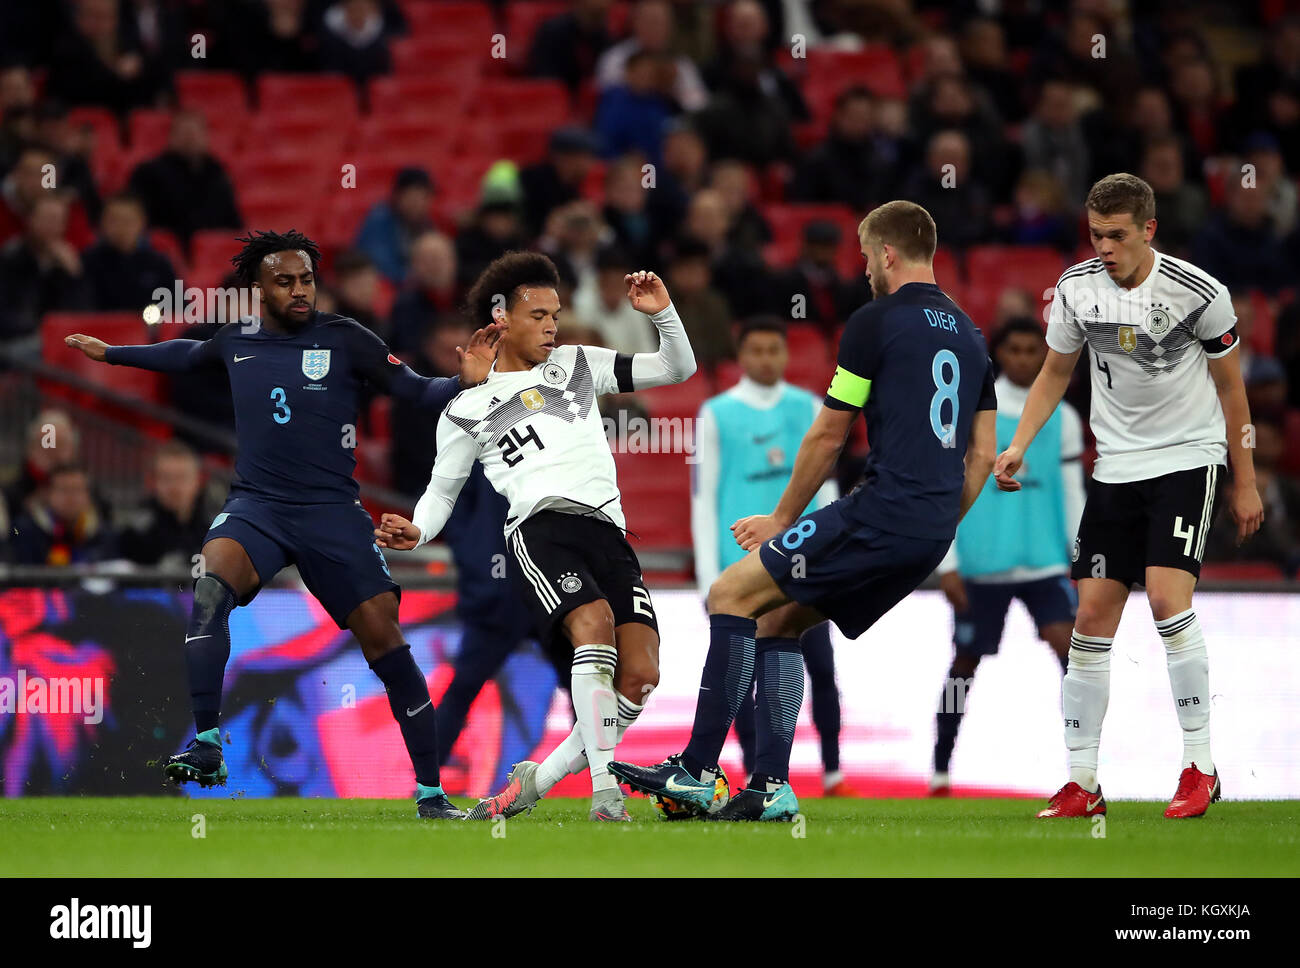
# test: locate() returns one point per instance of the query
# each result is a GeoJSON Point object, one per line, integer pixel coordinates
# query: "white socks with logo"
{"type": "Point", "coordinates": [1085, 692]}
{"type": "Point", "coordinates": [1189, 678]}
{"type": "Point", "coordinates": [596, 707]}
{"type": "Point", "coordinates": [570, 756]}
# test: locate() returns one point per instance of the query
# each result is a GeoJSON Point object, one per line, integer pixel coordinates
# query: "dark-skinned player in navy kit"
{"type": "Point", "coordinates": [297, 377]}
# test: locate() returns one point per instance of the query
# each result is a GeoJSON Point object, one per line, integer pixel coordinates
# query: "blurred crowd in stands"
{"type": "Point", "coordinates": [732, 146]}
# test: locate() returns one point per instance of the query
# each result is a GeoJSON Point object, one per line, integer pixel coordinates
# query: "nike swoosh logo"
{"type": "Point", "coordinates": [240, 359]}
{"type": "Point", "coordinates": [195, 638]}
{"type": "Point", "coordinates": [672, 786]}
{"type": "Point", "coordinates": [411, 712]}
{"type": "Point", "coordinates": [768, 801]}
{"type": "Point", "coordinates": [772, 544]}
{"type": "Point", "coordinates": [764, 438]}
{"type": "Point", "coordinates": [1092, 804]}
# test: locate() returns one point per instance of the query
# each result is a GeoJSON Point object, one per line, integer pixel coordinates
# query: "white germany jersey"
{"type": "Point", "coordinates": [538, 435]}
{"type": "Point", "coordinates": [1154, 405]}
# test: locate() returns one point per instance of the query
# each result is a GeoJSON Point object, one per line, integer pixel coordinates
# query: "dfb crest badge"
{"type": "Point", "coordinates": [532, 399]}
{"type": "Point", "coordinates": [315, 364]}
{"type": "Point", "coordinates": [1127, 339]}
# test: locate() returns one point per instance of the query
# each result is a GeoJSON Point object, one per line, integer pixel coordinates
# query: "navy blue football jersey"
{"type": "Point", "coordinates": [297, 397]}
{"type": "Point", "coordinates": [919, 370]}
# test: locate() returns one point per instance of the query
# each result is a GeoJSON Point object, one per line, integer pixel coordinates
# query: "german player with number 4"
{"type": "Point", "coordinates": [1161, 334]}
{"type": "Point", "coordinates": [534, 426]}
{"type": "Point", "coordinates": [915, 365]}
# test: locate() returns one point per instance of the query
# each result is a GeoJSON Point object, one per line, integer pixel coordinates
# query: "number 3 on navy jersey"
{"type": "Point", "coordinates": [282, 412]}
{"type": "Point", "coordinates": [944, 391]}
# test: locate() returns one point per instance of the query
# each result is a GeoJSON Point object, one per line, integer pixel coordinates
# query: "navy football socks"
{"type": "Point", "coordinates": [207, 649]}
{"type": "Point", "coordinates": [728, 676]}
{"type": "Point", "coordinates": [408, 698]}
{"type": "Point", "coordinates": [780, 696]}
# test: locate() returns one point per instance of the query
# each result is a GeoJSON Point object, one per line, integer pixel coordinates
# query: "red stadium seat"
{"type": "Point", "coordinates": [451, 18]}
{"type": "Point", "coordinates": [299, 135]}
{"type": "Point", "coordinates": [288, 175]}
{"type": "Point", "coordinates": [946, 271]}
{"type": "Point", "coordinates": [1263, 337]}
{"type": "Point", "coordinates": [215, 93]}
{"type": "Point", "coordinates": [167, 243]}
{"type": "Point", "coordinates": [104, 124]}
{"type": "Point", "coordinates": [419, 142]}
{"type": "Point", "coordinates": [980, 303]}
{"type": "Point", "coordinates": [876, 67]}
{"type": "Point", "coordinates": [438, 56]}
{"type": "Point", "coordinates": [148, 129]}
{"type": "Point", "coordinates": [331, 95]}
{"type": "Point", "coordinates": [1030, 267]}
{"type": "Point", "coordinates": [436, 100]}
{"type": "Point", "coordinates": [807, 342]}
{"type": "Point", "coordinates": [535, 101]}
{"type": "Point", "coordinates": [676, 399]}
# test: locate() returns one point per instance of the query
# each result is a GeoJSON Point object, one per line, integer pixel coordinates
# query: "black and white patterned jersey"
{"type": "Point", "coordinates": [1155, 409]}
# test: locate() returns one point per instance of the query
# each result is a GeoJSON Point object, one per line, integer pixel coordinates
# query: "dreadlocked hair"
{"type": "Point", "coordinates": [258, 245]}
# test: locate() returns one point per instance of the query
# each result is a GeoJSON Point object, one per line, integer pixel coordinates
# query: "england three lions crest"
{"type": "Point", "coordinates": [315, 364]}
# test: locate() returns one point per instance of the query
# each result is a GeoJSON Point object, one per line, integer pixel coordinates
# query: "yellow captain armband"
{"type": "Point", "coordinates": [849, 388]}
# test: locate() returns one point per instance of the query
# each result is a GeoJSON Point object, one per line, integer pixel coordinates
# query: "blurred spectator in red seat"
{"type": "Point", "coordinates": [702, 308]}
{"type": "Point", "coordinates": [415, 435]}
{"type": "Point", "coordinates": [950, 103]}
{"type": "Point", "coordinates": [735, 181]}
{"type": "Point", "coordinates": [1117, 136]}
{"type": "Point", "coordinates": [60, 524]}
{"type": "Point", "coordinates": [575, 233]}
{"type": "Point", "coordinates": [600, 303]}
{"type": "Point", "coordinates": [1238, 246]}
{"type": "Point", "coordinates": [354, 41]}
{"type": "Point", "coordinates": [651, 22]}
{"type": "Point", "coordinates": [356, 290]}
{"type": "Point", "coordinates": [1181, 206]}
{"type": "Point", "coordinates": [392, 225]}
{"type": "Point", "coordinates": [1262, 150]}
{"type": "Point", "coordinates": [1053, 139]}
{"type": "Point", "coordinates": [73, 148]}
{"type": "Point", "coordinates": [51, 439]}
{"type": "Point", "coordinates": [34, 176]}
{"type": "Point", "coordinates": [684, 171]}
{"type": "Point", "coordinates": [277, 35]}
{"type": "Point", "coordinates": [744, 121]}
{"type": "Point", "coordinates": [949, 192]}
{"type": "Point", "coordinates": [738, 274]}
{"type": "Point", "coordinates": [558, 180]}
{"type": "Point", "coordinates": [1257, 83]}
{"type": "Point", "coordinates": [1040, 213]}
{"type": "Point", "coordinates": [123, 269]}
{"type": "Point", "coordinates": [431, 291]}
{"type": "Point", "coordinates": [1265, 385]}
{"type": "Point", "coordinates": [40, 272]}
{"type": "Point", "coordinates": [812, 288]}
{"type": "Point", "coordinates": [496, 228]}
{"type": "Point", "coordinates": [168, 529]}
{"type": "Point", "coordinates": [745, 35]}
{"type": "Point", "coordinates": [1278, 540]}
{"type": "Point", "coordinates": [17, 89]}
{"type": "Point", "coordinates": [631, 115]}
{"type": "Point", "coordinates": [99, 63]}
{"type": "Point", "coordinates": [186, 188]}
{"type": "Point", "coordinates": [857, 164]}
{"type": "Point", "coordinates": [17, 112]}
{"type": "Point", "coordinates": [984, 51]}
{"type": "Point", "coordinates": [566, 47]}
{"type": "Point", "coordinates": [626, 195]}
{"type": "Point", "coordinates": [1198, 104]}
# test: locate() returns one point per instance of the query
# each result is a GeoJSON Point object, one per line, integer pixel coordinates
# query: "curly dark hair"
{"type": "Point", "coordinates": [504, 276]}
{"type": "Point", "coordinates": [258, 245]}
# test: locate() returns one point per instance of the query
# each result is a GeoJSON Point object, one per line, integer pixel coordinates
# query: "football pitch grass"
{"type": "Point", "coordinates": [76, 836]}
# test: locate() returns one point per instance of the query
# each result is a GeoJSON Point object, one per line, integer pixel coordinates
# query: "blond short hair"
{"type": "Point", "coordinates": [906, 226]}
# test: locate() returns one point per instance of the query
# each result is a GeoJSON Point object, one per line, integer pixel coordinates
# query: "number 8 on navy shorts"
{"type": "Point", "coordinates": [850, 573]}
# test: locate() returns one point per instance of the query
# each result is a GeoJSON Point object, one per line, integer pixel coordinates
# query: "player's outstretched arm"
{"type": "Point", "coordinates": [1244, 503]}
{"type": "Point", "coordinates": [675, 361]}
{"type": "Point", "coordinates": [981, 451]}
{"type": "Point", "coordinates": [170, 356]}
{"type": "Point", "coordinates": [818, 452]}
{"type": "Point", "coordinates": [1044, 397]}
{"type": "Point", "coordinates": [456, 454]}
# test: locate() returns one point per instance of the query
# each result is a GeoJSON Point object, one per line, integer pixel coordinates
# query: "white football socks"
{"type": "Point", "coordinates": [1085, 692]}
{"type": "Point", "coordinates": [596, 707]}
{"type": "Point", "coordinates": [1189, 678]}
{"type": "Point", "coordinates": [570, 757]}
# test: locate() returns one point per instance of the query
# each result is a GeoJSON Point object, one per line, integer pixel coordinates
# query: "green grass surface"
{"type": "Point", "coordinates": [143, 836]}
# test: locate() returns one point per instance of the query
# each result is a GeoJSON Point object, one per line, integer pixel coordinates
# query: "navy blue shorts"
{"type": "Point", "coordinates": [333, 546]}
{"type": "Point", "coordinates": [978, 630]}
{"type": "Point", "coordinates": [850, 573]}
